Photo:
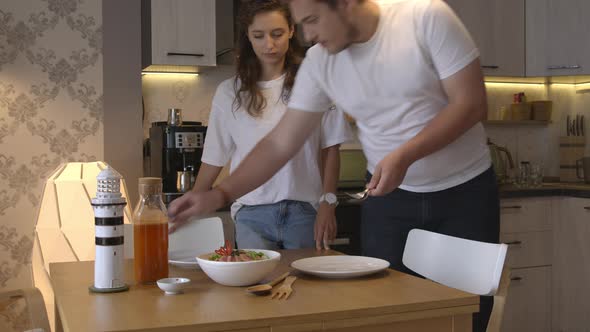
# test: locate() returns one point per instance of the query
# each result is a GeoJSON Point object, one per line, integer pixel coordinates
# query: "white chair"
{"type": "Point", "coordinates": [471, 266]}
{"type": "Point", "coordinates": [195, 237]}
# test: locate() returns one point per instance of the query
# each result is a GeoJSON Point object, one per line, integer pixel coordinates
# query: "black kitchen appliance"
{"type": "Point", "coordinates": [175, 150]}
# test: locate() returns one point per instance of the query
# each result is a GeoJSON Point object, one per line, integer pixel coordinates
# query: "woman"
{"type": "Point", "coordinates": [285, 212]}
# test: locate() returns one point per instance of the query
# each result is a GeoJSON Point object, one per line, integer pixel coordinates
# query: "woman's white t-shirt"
{"type": "Point", "coordinates": [392, 86]}
{"type": "Point", "coordinates": [232, 134]}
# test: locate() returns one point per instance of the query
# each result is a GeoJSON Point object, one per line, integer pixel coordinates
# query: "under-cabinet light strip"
{"type": "Point", "coordinates": [167, 73]}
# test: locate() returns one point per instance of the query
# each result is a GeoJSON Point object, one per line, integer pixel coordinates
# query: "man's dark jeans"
{"type": "Point", "coordinates": [470, 210]}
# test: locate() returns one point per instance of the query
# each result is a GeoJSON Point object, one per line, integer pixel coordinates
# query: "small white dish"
{"type": "Point", "coordinates": [173, 286]}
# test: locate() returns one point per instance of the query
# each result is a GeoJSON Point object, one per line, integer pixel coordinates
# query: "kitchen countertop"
{"type": "Point", "coordinates": [580, 190]}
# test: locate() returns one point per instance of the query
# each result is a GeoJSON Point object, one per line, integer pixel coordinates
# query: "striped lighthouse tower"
{"type": "Point", "coordinates": [109, 206]}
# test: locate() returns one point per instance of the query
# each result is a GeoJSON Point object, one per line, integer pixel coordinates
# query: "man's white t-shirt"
{"type": "Point", "coordinates": [391, 85]}
{"type": "Point", "coordinates": [232, 134]}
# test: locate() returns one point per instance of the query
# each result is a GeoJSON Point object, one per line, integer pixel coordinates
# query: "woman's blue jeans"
{"type": "Point", "coordinates": [283, 225]}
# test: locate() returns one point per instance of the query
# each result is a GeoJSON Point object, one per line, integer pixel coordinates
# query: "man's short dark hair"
{"type": "Point", "coordinates": [331, 3]}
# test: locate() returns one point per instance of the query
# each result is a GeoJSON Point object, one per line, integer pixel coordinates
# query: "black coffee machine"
{"type": "Point", "coordinates": [175, 153]}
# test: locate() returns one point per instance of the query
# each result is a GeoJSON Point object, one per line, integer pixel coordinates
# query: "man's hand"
{"type": "Point", "coordinates": [325, 226]}
{"type": "Point", "coordinates": [389, 174]}
{"type": "Point", "coordinates": [193, 204]}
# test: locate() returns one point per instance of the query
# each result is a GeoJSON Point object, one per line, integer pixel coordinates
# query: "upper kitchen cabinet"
{"type": "Point", "coordinates": [185, 32]}
{"type": "Point", "coordinates": [557, 37]}
{"type": "Point", "coordinates": [497, 27]}
{"type": "Point", "coordinates": [529, 37]}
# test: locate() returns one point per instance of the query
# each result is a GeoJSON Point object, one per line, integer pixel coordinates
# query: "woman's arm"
{"type": "Point", "coordinates": [325, 226]}
{"type": "Point", "coordinates": [330, 168]}
{"type": "Point", "coordinates": [206, 177]}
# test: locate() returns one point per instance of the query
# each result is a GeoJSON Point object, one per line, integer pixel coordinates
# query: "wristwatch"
{"type": "Point", "coordinates": [329, 198]}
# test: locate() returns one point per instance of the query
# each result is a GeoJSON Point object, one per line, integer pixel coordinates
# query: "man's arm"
{"type": "Point", "coordinates": [205, 179]}
{"type": "Point", "coordinates": [325, 227]}
{"type": "Point", "coordinates": [467, 106]}
{"type": "Point", "coordinates": [269, 155]}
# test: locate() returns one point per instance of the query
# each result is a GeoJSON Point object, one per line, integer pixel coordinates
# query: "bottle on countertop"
{"type": "Point", "coordinates": [150, 233]}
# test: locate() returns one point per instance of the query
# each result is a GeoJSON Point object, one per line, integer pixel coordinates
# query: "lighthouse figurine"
{"type": "Point", "coordinates": [109, 207]}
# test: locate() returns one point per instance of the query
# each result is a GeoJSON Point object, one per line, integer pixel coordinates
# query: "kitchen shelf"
{"type": "Point", "coordinates": [516, 122]}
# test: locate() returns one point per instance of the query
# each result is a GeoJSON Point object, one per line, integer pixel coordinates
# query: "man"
{"type": "Point", "coordinates": [409, 73]}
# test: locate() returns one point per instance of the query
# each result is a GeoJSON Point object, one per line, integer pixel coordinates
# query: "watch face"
{"type": "Point", "coordinates": [331, 198]}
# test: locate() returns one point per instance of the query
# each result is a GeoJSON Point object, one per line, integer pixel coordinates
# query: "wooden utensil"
{"type": "Point", "coordinates": [285, 290]}
{"type": "Point", "coordinates": [264, 289]}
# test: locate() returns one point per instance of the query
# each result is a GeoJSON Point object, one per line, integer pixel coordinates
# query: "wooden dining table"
{"type": "Point", "coordinates": [385, 301]}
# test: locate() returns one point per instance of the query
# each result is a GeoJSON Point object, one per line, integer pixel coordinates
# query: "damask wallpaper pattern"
{"type": "Point", "coordinates": [50, 111]}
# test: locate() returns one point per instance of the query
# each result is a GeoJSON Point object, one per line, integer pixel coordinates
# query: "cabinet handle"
{"type": "Point", "coordinates": [340, 241]}
{"type": "Point", "coordinates": [564, 67]}
{"type": "Point", "coordinates": [512, 207]}
{"type": "Point", "coordinates": [514, 243]}
{"type": "Point", "coordinates": [490, 67]}
{"type": "Point", "coordinates": [586, 207]}
{"type": "Point", "coordinates": [186, 54]}
{"type": "Point", "coordinates": [516, 278]}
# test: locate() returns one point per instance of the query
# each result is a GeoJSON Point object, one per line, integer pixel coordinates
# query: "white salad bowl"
{"type": "Point", "coordinates": [239, 273]}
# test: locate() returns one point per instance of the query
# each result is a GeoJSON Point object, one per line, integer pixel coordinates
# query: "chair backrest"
{"type": "Point", "coordinates": [196, 237]}
{"type": "Point", "coordinates": [471, 266]}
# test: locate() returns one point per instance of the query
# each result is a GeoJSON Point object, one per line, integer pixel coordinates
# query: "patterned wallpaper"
{"type": "Point", "coordinates": [50, 111]}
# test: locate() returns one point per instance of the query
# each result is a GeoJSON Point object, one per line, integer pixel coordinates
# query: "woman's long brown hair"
{"type": "Point", "coordinates": [249, 70]}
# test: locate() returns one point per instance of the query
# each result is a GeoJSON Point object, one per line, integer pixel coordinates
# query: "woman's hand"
{"type": "Point", "coordinates": [325, 227]}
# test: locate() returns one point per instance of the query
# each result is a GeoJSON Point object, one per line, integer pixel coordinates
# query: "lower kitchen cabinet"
{"type": "Point", "coordinates": [571, 266]}
{"type": "Point", "coordinates": [348, 238]}
{"type": "Point", "coordinates": [526, 226]}
{"type": "Point", "coordinates": [529, 300]}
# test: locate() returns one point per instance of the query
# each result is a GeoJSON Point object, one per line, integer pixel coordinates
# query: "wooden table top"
{"type": "Point", "coordinates": [207, 305]}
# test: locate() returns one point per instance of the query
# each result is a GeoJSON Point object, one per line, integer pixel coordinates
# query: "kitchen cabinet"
{"type": "Point", "coordinates": [497, 27]}
{"type": "Point", "coordinates": [557, 37]}
{"type": "Point", "coordinates": [185, 32]}
{"type": "Point", "coordinates": [529, 298]}
{"type": "Point", "coordinates": [526, 225]}
{"type": "Point", "coordinates": [529, 37]}
{"type": "Point", "coordinates": [571, 266]}
{"type": "Point", "coordinates": [348, 237]}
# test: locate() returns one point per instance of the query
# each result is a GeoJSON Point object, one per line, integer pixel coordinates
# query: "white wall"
{"type": "Point", "coordinates": [192, 94]}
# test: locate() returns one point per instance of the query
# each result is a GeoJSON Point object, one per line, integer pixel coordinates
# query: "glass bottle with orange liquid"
{"type": "Point", "coordinates": [150, 233]}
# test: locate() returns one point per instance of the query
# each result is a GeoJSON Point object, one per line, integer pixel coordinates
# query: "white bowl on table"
{"type": "Point", "coordinates": [239, 273]}
{"type": "Point", "coordinates": [173, 285]}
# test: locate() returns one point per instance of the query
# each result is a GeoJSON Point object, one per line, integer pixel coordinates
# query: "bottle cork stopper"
{"type": "Point", "coordinates": [150, 186]}
{"type": "Point", "coordinates": [150, 181]}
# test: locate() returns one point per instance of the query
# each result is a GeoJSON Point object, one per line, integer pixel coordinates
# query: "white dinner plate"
{"type": "Point", "coordinates": [340, 266]}
{"type": "Point", "coordinates": [185, 262]}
